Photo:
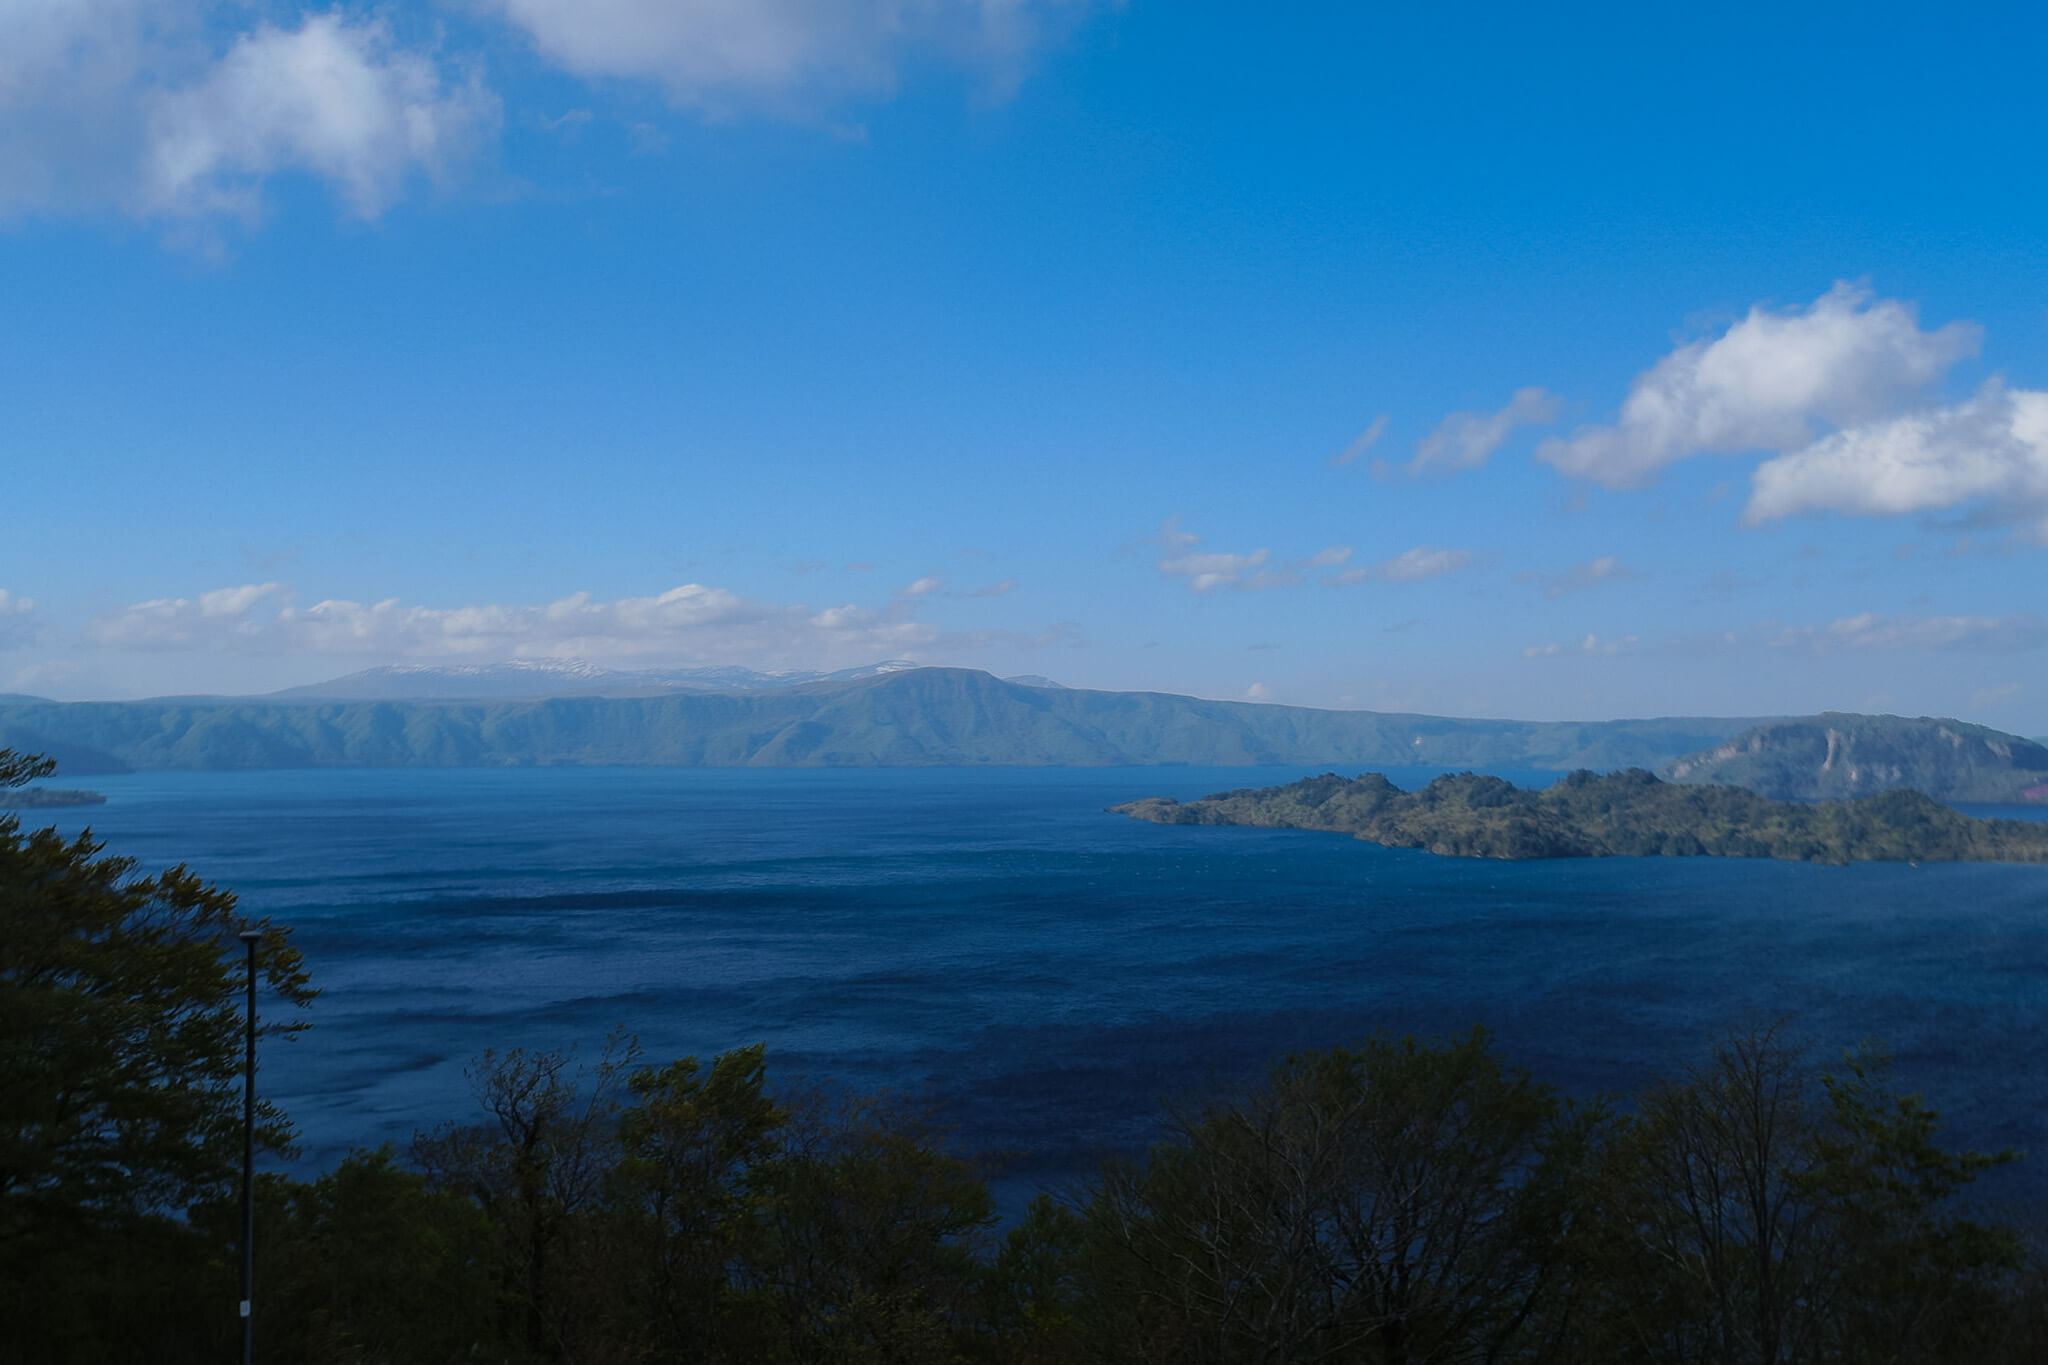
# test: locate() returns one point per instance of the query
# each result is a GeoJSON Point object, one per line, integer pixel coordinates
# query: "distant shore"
{"type": "Point", "coordinates": [46, 798]}
{"type": "Point", "coordinates": [1624, 814]}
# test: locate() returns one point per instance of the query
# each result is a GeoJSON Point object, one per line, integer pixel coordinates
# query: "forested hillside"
{"type": "Point", "coordinates": [920, 717]}
{"type": "Point", "coordinates": [1624, 814]}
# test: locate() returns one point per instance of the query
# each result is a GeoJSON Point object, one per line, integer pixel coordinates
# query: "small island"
{"type": "Point", "coordinates": [1631, 814]}
{"type": "Point", "coordinates": [44, 798]}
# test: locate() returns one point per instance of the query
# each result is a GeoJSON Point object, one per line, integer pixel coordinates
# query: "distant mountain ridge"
{"type": "Point", "coordinates": [922, 717]}
{"type": "Point", "coordinates": [1836, 755]}
{"type": "Point", "coordinates": [533, 679]}
{"type": "Point", "coordinates": [909, 717]}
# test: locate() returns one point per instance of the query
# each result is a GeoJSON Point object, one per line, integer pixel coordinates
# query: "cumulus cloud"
{"type": "Point", "coordinates": [1364, 441]}
{"type": "Point", "coordinates": [337, 99]}
{"type": "Point", "coordinates": [1991, 450]}
{"type": "Point", "coordinates": [1410, 566]}
{"type": "Point", "coordinates": [17, 621]}
{"type": "Point", "coordinates": [1765, 383]}
{"type": "Point", "coordinates": [145, 109]}
{"type": "Point", "coordinates": [1464, 440]}
{"type": "Point", "coordinates": [1579, 577]}
{"type": "Point", "coordinates": [726, 56]}
{"type": "Point", "coordinates": [693, 623]}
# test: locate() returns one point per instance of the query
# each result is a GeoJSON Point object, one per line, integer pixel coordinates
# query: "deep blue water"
{"type": "Point", "coordinates": [1045, 971]}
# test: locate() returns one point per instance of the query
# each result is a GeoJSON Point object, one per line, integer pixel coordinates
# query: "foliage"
{"type": "Point", "coordinates": [536, 1170]}
{"type": "Point", "coordinates": [121, 1053]}
{"type": "Point", "coordinates": [1398, 1201]}
{"type": "Point", "coordinates": [16, 769]}
{"type": "Point", "coordinates": [682, 1214]}
{"type": "Point", "coordinates": [1762, 1209]}
{"type": "Point", "coordinates": [1624, 814]}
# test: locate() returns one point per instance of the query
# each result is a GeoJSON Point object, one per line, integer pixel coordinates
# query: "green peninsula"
{"type": "Point", "coordinates": [46, 798]}
{"type": "Point", "coordinates": [1628, 814]}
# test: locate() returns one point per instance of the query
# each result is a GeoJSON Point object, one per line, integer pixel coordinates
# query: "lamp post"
{"type": "Point", "coordinates": [249, 938]}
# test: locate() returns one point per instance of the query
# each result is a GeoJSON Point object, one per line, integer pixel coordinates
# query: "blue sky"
{"type": "Point", "coordinates": [1468, 359]}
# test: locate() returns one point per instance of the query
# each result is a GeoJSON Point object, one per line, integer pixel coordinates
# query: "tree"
{"type": "Point", "coordinates": [366, 1266]}
{"type": "Point", "coordinates": [538, 1169]}
{"type": "Point", "coordinates": [874, 1239]}
{"type": "Point", "coordinates": [684, 1198]}
{"type": "Point", "coordinates": [120, 1051]}
{"type": "Point", "coordinates": [1763, 1210]}
{"type": "Point", "coordinates": [1396, 1202]}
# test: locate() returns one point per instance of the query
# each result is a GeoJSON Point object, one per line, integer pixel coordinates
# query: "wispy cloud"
{"type": "Point", "coordinates": [1360, 444]}
{"type": "Point", "coordinates": [924, 587]}
{"type": "Point", "coordinates": [1206, 572]}
{"type": "Point", "coordinates": [1866, 632]}
{"type": "Point", "coordinates": [1465, 440]}
{"type": "Point", "coordinates": [1873, 631]}
{"type": "Point", "coordinates": [1591, 574]}
{"type": "Point", "coordinates": [18, 626]}
{"type": "Point", "coordinates": [786, 57]}
{"type": "Point", "coordinates": [1588, 644]}
{"type": "Point", "coordinates": [1764, 383]}
{"type": "Point", "coordinates": [692, 622]}
{"type": "Point", "coordinates": [1410, 566]}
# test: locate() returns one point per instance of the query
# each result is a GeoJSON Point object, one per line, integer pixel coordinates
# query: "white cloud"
{"type": "Point", "coordinates": [18, 627]}
{"type": "Point", "coordinates": [1258, 691]}
{"type": "Point", "coordinates": [1590, 644]}
{"type": "Point", "coordinates": [1207, 572]}
{"type": "Point", "coordinates": [1410, 566]}
{"type": "Point", "coordinates": [149, 109]}
{"type": "Point", "coordinates": [330, 97]}
{"type": "Point", "coordinates": [180, 111]}
{"type": "Point", "coordinates": [1204, 570]}
{"type": "Point", "coordinates": [1872, 631]}
{"type": "Point", "coordinates": [1866, 632]}
{"type": "Point", "coordinates": [1764, 384]}
{"type": "Point", "coordinates": [995, 589]}
{"type": "Point", "coordinates": [691, 623]}
{"type": "Point", "coordinates": [1364, 441]}
{"type": "Point", "coordinates": [1464, 440]}
{"type": "Point", "coordinates": [725, 56]}
{"type": "Point", "coordinates": [924, 587]}
{"type": "Point", "coordinates": [1992, 447]}
{"type": "Point", "coordinates": [1579, 577]}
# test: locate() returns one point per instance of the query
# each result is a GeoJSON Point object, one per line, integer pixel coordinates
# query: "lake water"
{"type": "Point", "coordinates": [1046, 972]}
